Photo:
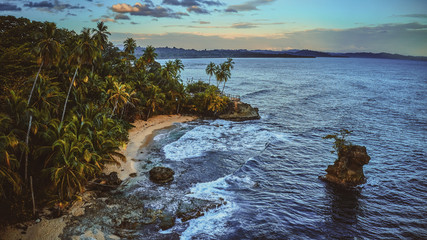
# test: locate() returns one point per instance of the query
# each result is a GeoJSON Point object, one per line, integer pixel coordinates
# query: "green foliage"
{"type": "Point", "coordinates": [80, 93]}
{"type": "Point", "coordinates": [340, 140]}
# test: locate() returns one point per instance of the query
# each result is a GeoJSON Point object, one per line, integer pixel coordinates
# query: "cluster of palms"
{"type": "Point", "coordinates": [222, 72]}
{"type": "Point", "coordinates": [67, 114]}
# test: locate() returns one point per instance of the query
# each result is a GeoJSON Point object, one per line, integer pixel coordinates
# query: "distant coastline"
{"type": "Point", "coordinates": [180, 53]}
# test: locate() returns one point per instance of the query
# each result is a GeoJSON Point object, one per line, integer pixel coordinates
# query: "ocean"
{"type": "Point", "coordinates": [267, 170]}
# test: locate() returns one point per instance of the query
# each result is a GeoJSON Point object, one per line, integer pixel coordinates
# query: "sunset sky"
{"type": "Point", "coordinates": [394, 26]}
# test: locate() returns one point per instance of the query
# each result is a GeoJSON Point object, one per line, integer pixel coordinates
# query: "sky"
{"type": "Point", "coordinates": [393, 26]}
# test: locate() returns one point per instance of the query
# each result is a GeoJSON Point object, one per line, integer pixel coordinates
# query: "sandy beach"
{"type": "Point", "coordinates": [139, 136]}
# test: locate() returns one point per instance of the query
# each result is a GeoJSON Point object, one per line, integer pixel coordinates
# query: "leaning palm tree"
{"type": "Point", "coordinates": [48, 51]}
{"type": "Point", "coordinates": [118, 93]}
{"type": "Point", "coordinates": [210, 70]}
{"type": "Point", "coordinates": [225, 73]}
{"type": "Point", "coordinates": [84, 53]}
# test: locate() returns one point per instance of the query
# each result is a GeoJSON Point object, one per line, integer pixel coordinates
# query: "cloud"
{"type": "Point", "coordinates": [189, 3]}
{"type": "Point", "coordinates": [201, 22]}
{"type": "Point", "coordinates": [9, 7]}
{"type": "Point", "coordinates": [407, 39]}
{"type": "Point", "coordinates": [43, 4]}
{"type": "Point", "coordinates": [244, 25]}
{"type": "Point", "coordinates": [248, 6]}
{"type": "Point", "coordinates": [413, 15]}
{"type": "Point", "coordinates": [197, 9]}
{"type": "Point", "coordinates": [103, 20]}
{"type": "Point", "coordinates": [240, 25]}
{"type": "Point", "coordinates": [121, 16]}
{"type": "Point", "coordinates": [54, 6]}
{"type": "Point", "coordinates": [147, 10]}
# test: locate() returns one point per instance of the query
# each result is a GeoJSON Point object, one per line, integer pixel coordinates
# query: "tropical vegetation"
{"type": "Point", "coordinates": [67, 100]}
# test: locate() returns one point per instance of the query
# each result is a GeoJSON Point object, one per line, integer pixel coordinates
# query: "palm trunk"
{"type": "Point", "coordinates": [123, 111]}
{"type": "Point", "coordinates": [32, 195]}
{"type": "Point", "coordinates": [34, 84]}
{"type": "Point", "coordinates": [114, 109]}
{"type": "Point", "coordinates": [210, 80]}
{"type": "Point", "coordinates": [28, 149]}
{"type": "Point", "coordinates": [68, 95]}
{"type": "Point", "coordinates": [223, 88]}
{"type": "Point", "coordinates": [148, 115]}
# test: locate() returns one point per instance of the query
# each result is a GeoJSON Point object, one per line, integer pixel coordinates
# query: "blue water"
{"type": "Point", "coordinates": [267, 170]}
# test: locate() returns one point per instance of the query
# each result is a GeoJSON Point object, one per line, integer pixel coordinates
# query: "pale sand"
{"type": "Point", "coordinates": [139, 136]}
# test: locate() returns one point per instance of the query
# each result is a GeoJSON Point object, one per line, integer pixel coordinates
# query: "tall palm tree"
{"type": "Point", "coordinates": [101, 35]}
{"type": "Point", "coordinates": [210, 70]}
{"type": "Point", "coordinates": [83, 54]}
{"type": "Point", "coordinates": [225, 73]}
{"type": "Point", "coordinates": [48, 50]}
{"type": "Point", "coordinates": [149, 54]}
{"type": "Point", "coordinates": [130, 46]}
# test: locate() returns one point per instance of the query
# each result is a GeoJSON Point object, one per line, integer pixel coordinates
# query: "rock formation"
{"type": "Point", "coordinates": [161, 174]}
{"type": "Point", "coordinates": [348, 168]}
{"type": "Point", "coordinates": [239, 111]}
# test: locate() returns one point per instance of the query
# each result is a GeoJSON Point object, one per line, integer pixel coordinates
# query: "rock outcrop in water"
{"type": "Point", "coordinates": [161, 175]}
{"type": "Point", "coordinates": [240, 111]}
{"type": "Point", "coordinates": [348, 168]}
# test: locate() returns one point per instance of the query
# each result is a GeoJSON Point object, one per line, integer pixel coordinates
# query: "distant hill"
{"type": "Point", "coordinates": [171, 53]}
{"type": "Point", "coordinates": [174, 53]}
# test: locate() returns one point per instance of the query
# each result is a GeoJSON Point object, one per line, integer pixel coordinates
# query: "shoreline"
{"type": "Point", "coordinates": [139, 137]}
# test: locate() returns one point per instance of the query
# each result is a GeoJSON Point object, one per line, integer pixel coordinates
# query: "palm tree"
{"type": "Point", "coordinates": [48, 50]}
{"type": "Point", "coordinates": [156, 98]}
{"type": "Point", "coordinates": [84, 53]}
{"type": "Point", "coordinates": [225, 73]}
{"type": "Point", "coordinates": [130, 46]}
{"type": "Point", "coordinates": [179, 66]}
{"type": "Point", "coordinates": [149, 54]}
{"type": "Point", "coordinates": [101, 35]}
{"type": "Point", "coordinates": [119, 93]}
{"type": "Point", "coordinates": [210, 70]}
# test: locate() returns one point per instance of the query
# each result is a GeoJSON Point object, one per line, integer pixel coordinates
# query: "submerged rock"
{"type": "Point", "coordinates": [194, 208]}
{"type": "Point", "coordinates": [348, 168]}
{"type": "Point", "coordinates": [161, 174]}
{"type": "Point", "coordinates": [240, 111]}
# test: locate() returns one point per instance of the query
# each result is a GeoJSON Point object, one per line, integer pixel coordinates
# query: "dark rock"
{"type": "Point", "coordinates": [113, 179]}
{"type": "Point", "coordinates": [133, 175]}
{"type": "Point", "coordinates": [161, 174]}
{"type": "Point", "coordinates": [105, 182]}
{"type": "Point", "coordinates": [167, 221]}
{"type": "Point", "coordinates": [194, 208]}
{"type": "Point", "coordinates": [239, 111]}
{"type": "Point", "coordinates": [348, 168]}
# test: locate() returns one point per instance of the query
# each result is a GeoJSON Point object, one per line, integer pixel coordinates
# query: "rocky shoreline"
{"type": "Point", "coordinates": [107, 210]}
